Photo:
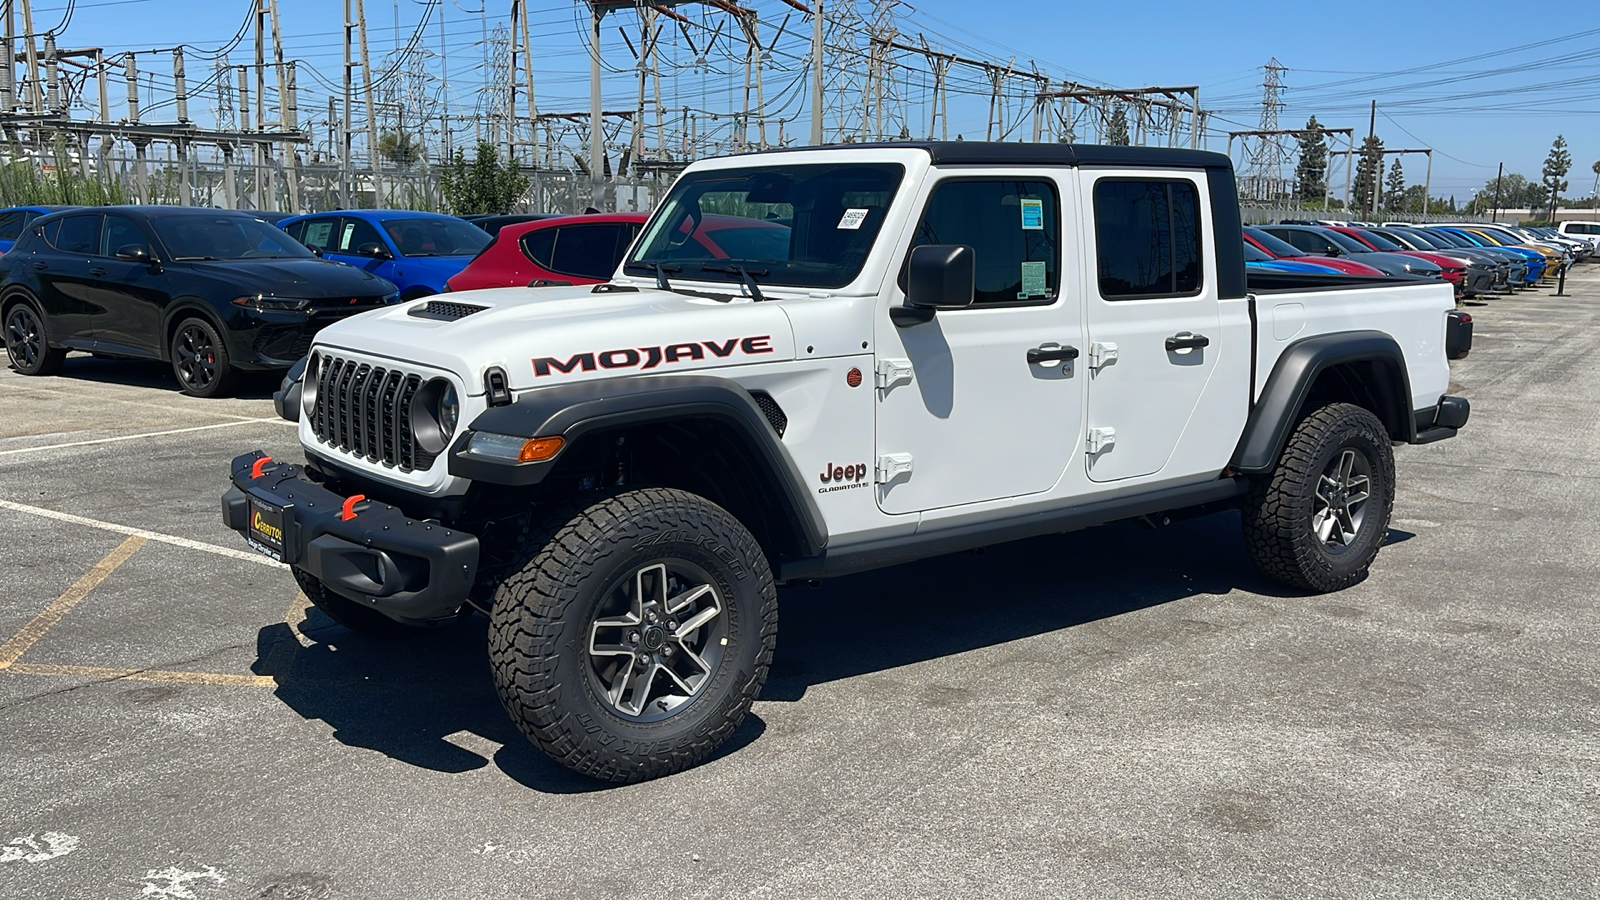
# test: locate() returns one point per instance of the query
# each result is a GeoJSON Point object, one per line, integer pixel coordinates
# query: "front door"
{"type": "Point", "coordinates": [1154, 322]}
{"type": "Point", "coordinates": [963, 415]}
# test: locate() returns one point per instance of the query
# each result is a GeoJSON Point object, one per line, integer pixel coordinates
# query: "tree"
{"type": "Point", "coordinates": [1556, 167]}
{"type": "Point", "coordinates": [400, 149]}
{"type": "Point", "coordinates": [1369, 168]}
{"type": "Point", "coordinates": [1117, 127]}
{"type": "Point", "coordinates": [1394, 188]}
{"type": "Point", "coordinates": [1311, 173]}
{"type": "Point", "coordinates": [484, 185]}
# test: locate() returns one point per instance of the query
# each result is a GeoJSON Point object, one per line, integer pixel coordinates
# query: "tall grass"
{"type": "Point", "coordinates": [23, 183]}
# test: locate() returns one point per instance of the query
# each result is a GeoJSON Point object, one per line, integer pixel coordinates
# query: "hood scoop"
{"type": "Point", "coordinates": [445, 310]}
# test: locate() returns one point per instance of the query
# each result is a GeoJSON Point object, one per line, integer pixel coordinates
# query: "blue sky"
{"type": "Point", "coordinates": [1448, 77]}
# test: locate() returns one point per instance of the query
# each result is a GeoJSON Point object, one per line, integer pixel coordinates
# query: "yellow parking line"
{"type": "Point", "coordinates": [13, 649]}
{"type": "Point", "coordinates": [143, 675]}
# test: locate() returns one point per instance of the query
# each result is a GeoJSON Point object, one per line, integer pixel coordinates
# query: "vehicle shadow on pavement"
{"type": "Point", "coordinates": [158, 376]}
{"type": "Point", "coordinates": [427, 701]}
{"type": "Point", "coordinates": [414, 700]}
{"type": "Point", "coordinates": [940, 607]}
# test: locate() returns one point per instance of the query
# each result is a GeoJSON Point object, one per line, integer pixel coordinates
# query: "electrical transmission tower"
{"type": "Point", "coordinates": [1264, 172]}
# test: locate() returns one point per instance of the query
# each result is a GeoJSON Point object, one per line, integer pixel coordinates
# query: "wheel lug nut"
{"type": "Point", "coordinates": [633, 637]}
{"type": "Point", "coordinates": [644, 659]}
{"type": "Point", "coordinates": [667, 650]}
{"type": "Point", "coordinates": [672, 624]}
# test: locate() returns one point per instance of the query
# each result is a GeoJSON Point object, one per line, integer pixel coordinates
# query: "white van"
{"type": "Point", "coordinates": [1583, 231]}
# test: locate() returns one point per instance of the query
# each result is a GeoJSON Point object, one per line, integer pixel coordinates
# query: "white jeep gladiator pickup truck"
{"type": "Point", "coordinates": [816, 362]}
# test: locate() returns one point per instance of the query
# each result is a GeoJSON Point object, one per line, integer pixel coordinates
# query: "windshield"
{"type": "Point", "coordinates": [1275, 245]}
{"type": "Point", "coordinates": [804, 226]}
{"type": "Point", "coordinates": [435, 237]}
{"type": "Point", "coordinates": [1252, 253]}
{"type": "Point", "coordinates": [192, 237]}
{"type": "Point", "coordinates": [1379, 241]}
{"type": "Point", "coordinates": [1345, 241]}
{"type": "Point", "coordinates": [1422, 240]}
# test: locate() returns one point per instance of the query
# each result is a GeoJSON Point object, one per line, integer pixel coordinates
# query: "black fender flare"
{"type": "Point", "coordinates": [575, 410]}
{"type": "Point", "coordinates": [1276, 413]}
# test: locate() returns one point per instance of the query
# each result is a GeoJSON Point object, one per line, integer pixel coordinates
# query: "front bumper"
{"type": "Point", "coordinates": [410, 570]}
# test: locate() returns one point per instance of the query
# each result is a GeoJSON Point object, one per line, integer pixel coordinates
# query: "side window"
{"type": "Point", "coordinates": [355, 232]}
{"type": "Point", "coordinates": [317, 233]}
{"type": "Point", "coordinates": [79, 234]}
{"type": "Point", "coordinates": [1303, 240]}
{"type": "Point", "coordinates": [588, 251]}
{"type": "Point", "coordinates": [1147, 238]}
{"type": "Point", "coordinates": [296, 231]}
{"type": "Point", "coordinates": [10, 225]}
{"type": "Point", "coordinates": [1013, 228]}
{"type": "Point", "coordinates": [119, 232]}
{"type": "Point", "coordinates": [539, 245]}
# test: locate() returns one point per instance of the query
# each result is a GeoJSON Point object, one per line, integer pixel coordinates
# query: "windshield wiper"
{"type": "Point", "coordinates": [660, 270]}
{"type": "Point", "coordinates": [742, 272]}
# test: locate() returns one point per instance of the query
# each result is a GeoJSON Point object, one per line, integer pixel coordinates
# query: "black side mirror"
{"type": "Point", "coordinates": [135, 253]}
{"type": "Point", "coordinates": [938, 276]}
{"type": "Point", "coordinates": [374, 250]}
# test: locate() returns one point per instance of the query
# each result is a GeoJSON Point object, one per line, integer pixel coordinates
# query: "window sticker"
{"type": "Point", "coordinates": [1032, 215]}
{"type": "Point", "coordinates": [1033, 281]}
{"type": "Point", "coordinates": [852, 219]}
{"type": "Point", "coordinates": [317, 234]}
{"type": "Point", "coordinates": [349, 231]}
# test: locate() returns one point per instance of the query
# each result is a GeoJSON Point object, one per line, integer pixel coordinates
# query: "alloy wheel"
{"type": "Point", "coordinates": [197, 358]}
{"type": "Point", "coordinates": [658, 640]}
{"type": "Point", "coordinates": [24, 337]}
{"type": "Point", "coordinates": [1341, 500]}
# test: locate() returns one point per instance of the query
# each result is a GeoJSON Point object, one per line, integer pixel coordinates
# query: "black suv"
{"type": "Point", "coordinates": [210, 291]}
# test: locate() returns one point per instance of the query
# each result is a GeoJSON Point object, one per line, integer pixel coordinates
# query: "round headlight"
{"type": "Point", "coordinates": [434, 414]}
{"type": "Point", "coordinates": [308, 383]}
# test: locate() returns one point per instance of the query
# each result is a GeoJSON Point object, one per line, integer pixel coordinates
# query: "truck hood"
{"type": "Point", "coordinates": [558, 335]}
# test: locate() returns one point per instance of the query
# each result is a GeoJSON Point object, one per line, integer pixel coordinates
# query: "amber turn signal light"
{"type": "Point", "coordinates": [540, 449]}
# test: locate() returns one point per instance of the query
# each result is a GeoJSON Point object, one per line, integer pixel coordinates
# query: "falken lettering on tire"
{"type": "Point", "coordinates": [645, 358]}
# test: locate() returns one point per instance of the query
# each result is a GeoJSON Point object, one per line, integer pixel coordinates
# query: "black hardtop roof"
{"type": "Point", "coordinates": [961, 153]}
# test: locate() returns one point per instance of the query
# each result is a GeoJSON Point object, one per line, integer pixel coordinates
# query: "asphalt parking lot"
{"type": "Point", "coordinates": [1115, 713]}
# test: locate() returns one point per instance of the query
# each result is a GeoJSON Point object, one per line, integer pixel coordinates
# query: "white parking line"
{"type": "Point", "coordinates": [157, 536]}
{"type": "Point", "coordinates": [147, 434]}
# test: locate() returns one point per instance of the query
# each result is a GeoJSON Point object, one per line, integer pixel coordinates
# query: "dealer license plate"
{"type": "Point", "coordinates": [266, 528]}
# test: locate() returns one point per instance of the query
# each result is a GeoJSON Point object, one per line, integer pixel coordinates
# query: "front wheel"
{"type": "Point", "coordinates": [200, 359]}
{"type": "Point", "coordinates": [27, 343]}
{"type": "Point", "coordinates": [634, 640]}
{"type": "Point", "coordinates": [1318, 520]}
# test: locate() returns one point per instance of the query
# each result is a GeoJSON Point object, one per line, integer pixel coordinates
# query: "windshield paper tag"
{"type": "Point", "coordinates": [1033, 281]}
{"type": "Point", "coordinates": [852, 219]}
{"type": "Point", "coordinates": [1032, 215]}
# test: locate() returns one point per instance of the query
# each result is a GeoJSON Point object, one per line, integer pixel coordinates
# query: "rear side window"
{"type": "Point", "coordinates": [1147, 237]}
{"type": "Point", "coordinates": [589, 251]}
{"type": "Point", "coordinates": [354, 233]}
{"type": "Point", "coordinates": [10, 225]}
{"type": "Point", "coordinates": [317, 234]}
{"type": "Point", "coordinates": [539, 246]}
{"type": "Point", "coordinates": [78, 234]}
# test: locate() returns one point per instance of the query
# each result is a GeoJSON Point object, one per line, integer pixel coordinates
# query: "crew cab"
{"type": "Point", "coordinates": [953, 345]}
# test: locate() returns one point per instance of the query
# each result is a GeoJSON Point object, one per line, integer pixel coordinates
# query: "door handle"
{"type": "Point", "coordinates": [1186, 340]}
{"type": "Point", "coordinates": [40, 266]}
{"type": "Point", "coordinates": [97, 272]}
{"type": "Point", "coordinates": [1052, 352]}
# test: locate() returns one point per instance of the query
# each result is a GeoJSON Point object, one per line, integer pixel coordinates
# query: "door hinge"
{"type": "Point", "coordinates": [1101, 439]}
{"type": "Point", "coordinates": [1101, 354]}
{"type": "Point", "coordinates": [893, 371]}
{"type": "Point", "coordinates": [892, 466]}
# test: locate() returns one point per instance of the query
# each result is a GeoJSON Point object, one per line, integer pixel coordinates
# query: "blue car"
{"type": "Point", "coordinates": [14, 219]}
{"type": "Point", "coordinates": [418, 251]}
{"type": "Point", "coordinates": [1536, 260]}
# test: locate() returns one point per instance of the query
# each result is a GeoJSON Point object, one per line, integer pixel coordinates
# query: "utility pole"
{"type": "Point", "coordinates": [346, 146]}
{"type": "Point", "coordinates": [816, 72]}
{"type": "Point", "coordinates": [374, 158]}
{"type": "Point", "coordinates": [597, 137]}
{"type": "Point", "coordinates": [35, 100]}
{"type": "Point", "coordinates": [8, 64]}
{"type": "Point", "coordinates": [1370, 202]}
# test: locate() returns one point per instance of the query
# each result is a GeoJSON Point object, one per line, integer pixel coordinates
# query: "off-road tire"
{"type": "Point", "coordinates": [351, 614]}
{"type": "Point", "coordinates": [1279, 509]}
{"type": "Point", "coordinates": [30, 354]}
{"type": "Point", "coordinates": [541, 625]}
{"type": "Point", "coordinates": [210, 376]}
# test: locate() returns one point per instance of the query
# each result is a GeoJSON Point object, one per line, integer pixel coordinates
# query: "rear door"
{"type": "Point", "coordinates": [1153, 315]}
{"type": "Point", "coordinates": [62, 264]}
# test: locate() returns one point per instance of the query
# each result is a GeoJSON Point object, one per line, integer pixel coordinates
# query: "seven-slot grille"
{"type": "Point", "coordinates": [365, 410]}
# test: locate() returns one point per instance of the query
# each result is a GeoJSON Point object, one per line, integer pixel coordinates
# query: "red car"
{"type": "Point", "coordinates": [1278, 248]}
{"type": "Point", "coordinates": [587, 249]}
{"type": "Point", "coordinates": [1454, 271]}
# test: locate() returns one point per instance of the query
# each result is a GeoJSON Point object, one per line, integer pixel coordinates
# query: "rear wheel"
{"type": "Point", "coordinates": [1318, 520]}
{"type": "Point", "coordinates": [633, 642]}
{"type": "Point", "coordinates": [200, 359]}
{"type": "Point", "coordinates": [27, 342]}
